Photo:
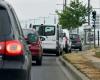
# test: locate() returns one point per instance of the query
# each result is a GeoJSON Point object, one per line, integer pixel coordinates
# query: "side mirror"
{"type": "Point", "coordinates": [32, 38]}
{"type": "Point", "coordinates": [42, 38]}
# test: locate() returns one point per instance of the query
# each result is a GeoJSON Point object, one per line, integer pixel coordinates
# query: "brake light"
{"type": "Point", "coordinates": [11, 48]}
{"type": "Point", "coordinates": [2, 47]}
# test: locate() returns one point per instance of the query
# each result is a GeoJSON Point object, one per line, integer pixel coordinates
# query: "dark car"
{"type": "Point", "coordinates": [34, 44]}
{"type": "Point", "coordinates": [15, 56]}
{"type": "Point", "coordinates": [76, 41]}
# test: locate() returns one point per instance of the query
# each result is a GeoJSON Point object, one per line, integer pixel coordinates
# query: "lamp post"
{"type": "Point", "coordinates": [88, 12]}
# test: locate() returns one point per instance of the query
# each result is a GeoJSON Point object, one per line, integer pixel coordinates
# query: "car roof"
{"type": "Point", "coordinates": [4, 4]}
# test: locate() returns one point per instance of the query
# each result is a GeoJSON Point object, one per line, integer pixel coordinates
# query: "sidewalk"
{"type": "Point", "coordinates": [86, 63]}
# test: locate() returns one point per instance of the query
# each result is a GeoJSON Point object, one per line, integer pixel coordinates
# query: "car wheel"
{"type": "Point", "coordinates": [57, 53]}
{"type": "Point", "coordinates": [61, 52]}
{"type": "Point", "coordinates": [29, 76]}
{"type": "Point", "coordinates": [70, 50]}
{"type": "Point", "coordinates": [80, 49]}
{"type": "Point", "coordinates": [66, 50]}
{"type": "Point", "coordinates": [39, 61]}
{"type": "Point", "coordinates": [25, 76]}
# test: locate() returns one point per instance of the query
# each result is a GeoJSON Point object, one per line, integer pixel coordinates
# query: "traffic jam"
{"type": "Point", "coordinates": [32, 52]}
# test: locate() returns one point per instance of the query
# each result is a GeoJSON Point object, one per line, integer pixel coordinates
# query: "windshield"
{"type": "Point", "coordinates": [74, 36]}
{"type": "Point", "coordinates": [47, 30]}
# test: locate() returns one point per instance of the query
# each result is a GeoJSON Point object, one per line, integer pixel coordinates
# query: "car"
{"type": "Point", "coordinates": [66, 41]}
{"type": "Point", "coordinates": [51, 38]}
{"type": "Point", "coordinates": [76, 42]}
{"type": "Point", "coordinates": [34, 43]}
{"type": "Point", "coordinates": [15, 56]}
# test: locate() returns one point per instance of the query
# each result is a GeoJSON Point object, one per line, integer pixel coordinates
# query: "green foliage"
{"type": "Point", "coordinates": [74, 15]}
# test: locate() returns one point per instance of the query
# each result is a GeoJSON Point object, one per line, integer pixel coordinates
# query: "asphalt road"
{"type": "Point", "coordinates": [50, 70]}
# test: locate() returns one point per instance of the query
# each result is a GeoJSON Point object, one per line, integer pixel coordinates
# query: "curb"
{"type": "Point", "coordinates": [75, 73]}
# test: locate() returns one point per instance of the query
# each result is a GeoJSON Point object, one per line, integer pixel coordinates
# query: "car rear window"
{"type": "Point", "coordinates": [46, 30]}
{"type": "Point", "coordinates": [74, 36]}
{"type": "Point", "coordinates": [4, 22]}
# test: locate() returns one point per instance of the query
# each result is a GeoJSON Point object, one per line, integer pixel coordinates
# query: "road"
{"type": "Point", "coordinates": [50, 70]}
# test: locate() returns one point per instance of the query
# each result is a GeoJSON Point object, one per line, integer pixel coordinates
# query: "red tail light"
{"type": "Point", "coordinates": [2, 47]}
{"type": "Point", "coordinates": [11, 48]}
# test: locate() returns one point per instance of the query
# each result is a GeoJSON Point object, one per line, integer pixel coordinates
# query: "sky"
{"type": "Point", "coordinates": [37, 9]}
{"type": "Point", "coordinates": [32, 9]}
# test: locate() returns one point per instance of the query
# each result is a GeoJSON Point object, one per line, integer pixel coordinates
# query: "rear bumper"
{"type": "Point", "coordinates": [76, 46]}
{"type": "Point", "coordinates": [50, 50]}
{"type": "Point", "coordinates": [49, 45]}
{"type": "Point", "coordinates": [13, 65]}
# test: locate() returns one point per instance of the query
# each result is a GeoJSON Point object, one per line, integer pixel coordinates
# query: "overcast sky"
{"type": "Point", "coordinates": [34, 8]}
{"type": "Point", "coordinates": [30, 9]}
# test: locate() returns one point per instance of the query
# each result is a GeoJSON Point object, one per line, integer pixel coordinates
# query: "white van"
{"type": "Point", "coordinates": [52, 38]}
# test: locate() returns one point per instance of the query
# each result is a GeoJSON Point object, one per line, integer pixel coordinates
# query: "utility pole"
{"type": "Point", "coordinates": [88, 21]}
{"type": "Point", "coordinates": [88, 12]}
{"type": "Point", "coordinates": [94, 19]}
{"type": "Point", "coordinates": [64, 4]}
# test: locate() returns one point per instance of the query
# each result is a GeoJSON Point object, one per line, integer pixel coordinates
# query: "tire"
{"type": "Point", "coordinates": [61, 52]}
{"type": "Point", "coordinates": [57, 53]}
{"type": "Point", "coordinates": [39, 61]}
{"type": "Point", "coordinates": [29, 76]}
{"type": "Point", "coordinates": [70, 50]}
{"type": "Point", "coordinates": [80, 49]}
{"type": "Point", "coordinates": [66, 50]}
{"type": "Point", "coordinates": [25, 76]}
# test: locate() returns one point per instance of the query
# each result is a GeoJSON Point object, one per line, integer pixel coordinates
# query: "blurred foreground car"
{"type": "Point", "coordinates": [34, 44]}
{"type": "Point", "coordinates": [14, 55]}
{"type": "Point", "coordinates": [76, 41]}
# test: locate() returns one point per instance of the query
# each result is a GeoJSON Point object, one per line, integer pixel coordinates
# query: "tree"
{"type": "Point", "coordinates": [73, 15]}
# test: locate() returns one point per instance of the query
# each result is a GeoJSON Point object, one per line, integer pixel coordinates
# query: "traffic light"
{"type": "Point", "coordinates": [94, 15]}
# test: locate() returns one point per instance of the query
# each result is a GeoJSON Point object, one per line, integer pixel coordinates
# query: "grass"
{"type": "Point", "coordinates": [97, 54]}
